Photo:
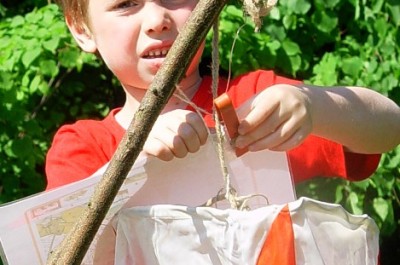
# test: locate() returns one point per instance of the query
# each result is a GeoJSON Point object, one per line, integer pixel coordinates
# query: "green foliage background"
{"type": "Point", "coordinates": [46, 81]}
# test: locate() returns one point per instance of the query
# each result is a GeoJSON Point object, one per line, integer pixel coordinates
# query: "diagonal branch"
{"type": "Point", "coordinates": [74, 247]}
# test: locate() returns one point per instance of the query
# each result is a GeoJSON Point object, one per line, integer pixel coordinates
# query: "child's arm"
{"type": "Point", "coordinates": [175, 134]}
{"type": "Point", "coordinates": [282, 116]}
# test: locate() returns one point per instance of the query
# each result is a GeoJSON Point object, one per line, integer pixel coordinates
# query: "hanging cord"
{"type": "Point", "coordinates": [231, 56]}
{"type": "Point", "coordinates": [229, 194]}
{"type": "Point", "coordinates": [229, 191]}
{"type": "Point", "coordinates": [256, 9]}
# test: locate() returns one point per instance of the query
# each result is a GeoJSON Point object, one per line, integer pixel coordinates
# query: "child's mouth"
{"type": "Point", "coordinates": [159, 53]}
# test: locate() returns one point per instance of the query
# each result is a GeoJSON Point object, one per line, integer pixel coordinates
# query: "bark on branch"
{"type": "Point", "coordinates": [74, 247]}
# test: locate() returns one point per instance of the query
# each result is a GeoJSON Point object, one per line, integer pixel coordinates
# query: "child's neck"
{"type": "Point", "coordinates": [132, 102]}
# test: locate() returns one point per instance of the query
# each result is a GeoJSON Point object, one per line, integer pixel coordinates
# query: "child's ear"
{"type": "Point", "coordinates": [82, 35]}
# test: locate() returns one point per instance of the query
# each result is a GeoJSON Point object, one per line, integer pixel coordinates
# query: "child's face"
{"type": "Point", "coordinates": [133, 36]}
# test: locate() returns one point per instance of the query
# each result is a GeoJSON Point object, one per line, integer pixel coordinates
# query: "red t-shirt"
{"type": "Point", "coordinates": [80, 149]}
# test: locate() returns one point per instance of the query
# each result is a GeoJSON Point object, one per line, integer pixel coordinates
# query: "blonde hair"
{"type": "Point", "coordinates": [76, 10]}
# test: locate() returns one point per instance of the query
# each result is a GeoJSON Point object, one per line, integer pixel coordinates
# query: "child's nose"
{"type": "Point", "coordinates": [156, 18]}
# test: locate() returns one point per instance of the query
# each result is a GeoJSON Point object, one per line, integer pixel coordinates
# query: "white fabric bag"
{"type": "Point", "coordinates": [321, 233]}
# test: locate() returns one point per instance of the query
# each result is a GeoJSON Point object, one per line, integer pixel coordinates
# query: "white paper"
{"type": "Point", "coordinates": [31, 227]}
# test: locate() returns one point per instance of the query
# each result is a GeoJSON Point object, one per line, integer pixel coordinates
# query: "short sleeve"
{"type": "Point", "coordinates": [72, 157]}
{"type": "Point", "coordinates": [318, 157]}
{"type": "Point", "coordinates": [245, 86]}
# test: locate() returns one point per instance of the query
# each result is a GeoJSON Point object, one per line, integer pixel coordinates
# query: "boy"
{"type": "Point", "coordinates": [325, 131]}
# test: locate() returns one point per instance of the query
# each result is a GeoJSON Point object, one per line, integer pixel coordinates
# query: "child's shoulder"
{"type": "Point", "coordinates": [261, 79]}
{"type": "Point", "coordinates": [92, 129]}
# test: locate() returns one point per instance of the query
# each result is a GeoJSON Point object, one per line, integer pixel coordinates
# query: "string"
{"type": "Point", "coordinates": [231, 56]}
{"type": "Point", "coordinates": [230, 194]}
{"type": "Point", "coordinates": [229, 191]}
{"type": "Point", "coordinates": [256, 9]}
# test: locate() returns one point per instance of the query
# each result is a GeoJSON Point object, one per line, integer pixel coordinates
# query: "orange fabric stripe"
{"type": "Point", "coordinates": [278, 248]}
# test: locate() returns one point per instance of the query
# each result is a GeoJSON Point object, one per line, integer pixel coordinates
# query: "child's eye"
{"type": "Point", "coordinates": [175, 2]}
{"type": "Point", "coordinates": [125, 4]}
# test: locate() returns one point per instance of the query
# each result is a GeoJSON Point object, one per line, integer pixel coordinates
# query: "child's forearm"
{"type": "Point", "coordinates": [361, 119]}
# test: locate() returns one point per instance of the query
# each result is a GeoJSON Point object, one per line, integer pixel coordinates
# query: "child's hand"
{"type": "Point", "coordinates": [278, 118]}
{"type": "Point", "coordinates": [175, 134]}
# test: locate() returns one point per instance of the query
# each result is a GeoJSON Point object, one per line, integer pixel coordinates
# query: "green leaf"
{"type": "Point", "coordinates": [232, 10]}
{"type": "Point", "coordinates": [48, 16]}
{"type": "Point", "coordinates": [35, 84]}
{"type": "Point", "coordinates": [357, 12]}
{"type": "Point", "coordinates": [52, 44]}
{"type": "Point", "coordinates": [394, 160]}
{"type": "Point", "coordinates": [299, 6]}
{"type": "Point", "coordinates": [352, 66]}
{"type": "Point", "coordinates": [275, 14]}
{"type": "Point", "coordinates": [362, 185]}
{"type": "Point", "coordinates": [339, 194]}
{"type": "Point", "coordinates": [29, 56]}
{"type": "Point", "coordinates": [49, 68]}
{"type": "Point", "coordinates": [33, 17]}
{"type": "Point", "coordinates": [68, 58]}
{"type": "Point", "coordinates": [26, 79]}
{"type": "Point", "coordinates": [17, 21]}
{"type": "Point", "coordinates": [273, 46]}
{"type": "Point", "coordinates": [377, 6]}
{"type": "Point", "coordinates": [289, 21]}
{"type": "Point", "coordinates": [325, 72]}
{"type": "Point", "coordinates": [381, 27]}
{"type": "Point", "coordinates": [276, 32]}
{"type": "Point", "coordinates": [381, 207]}
{"type": "Point", "coordinates": [18, 148]}
{"type": "Point", "coordinates": [6, 80]}
{"type": "Point", "coordinates": [291, 48]}
{"type": "Point", "coordinates": [395, 13]}
{"type": "Point", "coordinates": [325, 21]}
{"type": "Point", "coordinates": [44, 88]}
{"type": "Point", "coordinates": [352, 202]}
{"type": "Point", "coordinates": [295, 62]}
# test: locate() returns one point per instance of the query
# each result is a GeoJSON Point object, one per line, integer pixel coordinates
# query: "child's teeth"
{"type": "Point", "coordinates": [157, 53]}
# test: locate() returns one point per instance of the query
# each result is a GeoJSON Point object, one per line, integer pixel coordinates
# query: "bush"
{"type": "Point", "coordinates": [45, 81]}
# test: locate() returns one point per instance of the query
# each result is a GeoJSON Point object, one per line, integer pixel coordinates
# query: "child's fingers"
{"type": "Point", "coordinates": [178, 143]}
{"type": "Point", "coordinates": [176, 134]}
{"type": "Point", "coordinates": [189, 137]}
{"type": "Point", "coordinates": [273, 139]}
{"type": "Point", "coordinates": [198, 126]}
{"type": "Point", "coordinates": [291, 142]}
{"type": "Point", "coordinates": [192, 132]}
{"type": "Point", "coordinates": [255, 111]}
{"type": "Point", "coordinates": [287, 136]}
{"type": "Point", "coordinates": [157, 148]}
{"type": "Point", "coordinates": [268, 126]}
